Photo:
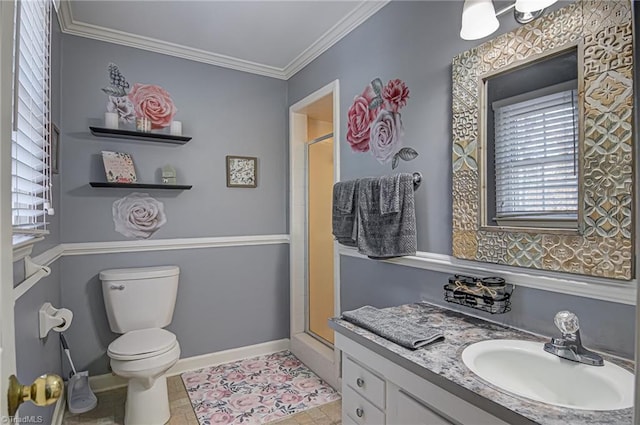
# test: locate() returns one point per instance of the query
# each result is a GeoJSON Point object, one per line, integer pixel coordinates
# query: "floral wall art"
{"type": "Point", "coordinates": [138, 215]}
{"type": "Point", "coordinates": [140, 101]}
{"type": "Point", "coordinates": [374, 122]}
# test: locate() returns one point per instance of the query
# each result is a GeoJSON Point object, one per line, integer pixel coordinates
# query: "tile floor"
{"type": "Point", "coordinates": [110, 410]}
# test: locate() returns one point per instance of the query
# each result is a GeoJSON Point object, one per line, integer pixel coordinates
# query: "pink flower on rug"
{"type": "Point", "coordinates": [291, 363]}
{"type": "Point", "coordinates": [359, 118]}
{"type": "Point", "coordinates": [395, 94]}
{"type": "Point", "coordinates": [153, 102]}
{"type": "Point", "coordinates": [216, 393]}
{"type": "Point", "coordinates": [386, 135]}
{"type": "Point", "coordinates": [254, 365]}
{"type": "Point", "coordinates": [280, 377]}
{"type": "Point", "coordinates": [221, 418]}
{"type": "Point", "coordinates": [236, 376]}
{"type": "Point", "coordinates": [245, 401]}
{"type": "Point", "coordinates": [291, 399]}
{"type": "Point", "coordinates": [306, 384]}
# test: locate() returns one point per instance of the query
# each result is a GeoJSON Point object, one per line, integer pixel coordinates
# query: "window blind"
{"type": "Point", "coordinates": [536, 145]}
{"type": "Point", "coordinates": [30, 147]}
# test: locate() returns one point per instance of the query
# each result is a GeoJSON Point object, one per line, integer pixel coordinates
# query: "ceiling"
{"type": "Point", "coordinates": [273, 38]}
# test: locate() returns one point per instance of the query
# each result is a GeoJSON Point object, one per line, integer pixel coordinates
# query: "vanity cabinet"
{"type": "Point", "coordinates": [378, 391]}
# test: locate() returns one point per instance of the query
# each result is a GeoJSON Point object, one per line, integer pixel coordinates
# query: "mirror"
{"type": "Point", "coordinates": [584, 51]}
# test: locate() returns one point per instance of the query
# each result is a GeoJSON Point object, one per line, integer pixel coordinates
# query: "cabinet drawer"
{"type": "Point", "coordinates": [410, 411]}
{"type": "Point", "coordinates": [363, 381]}
{"type": "Point", "coordinates": [357, 409]}
{"type": "Point", "coordinates": [346, 419]}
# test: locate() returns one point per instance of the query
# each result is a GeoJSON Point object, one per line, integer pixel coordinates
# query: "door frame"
{"type": "Point", "coordinates": [7, 331]}
{"type": "Point", "coordinates": [323, 360]}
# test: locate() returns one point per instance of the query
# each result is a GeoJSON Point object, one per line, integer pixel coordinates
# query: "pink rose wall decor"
{"type": "Point", "coordinates": [374, 123]}
{"type": "Point", "coordinates": [140, 101]}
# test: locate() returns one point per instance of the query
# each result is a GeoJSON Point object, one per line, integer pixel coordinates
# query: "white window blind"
{"type": "Point", "coordinates": [30, 148]}
{"type": "Point", "coordinates": [536, 148]}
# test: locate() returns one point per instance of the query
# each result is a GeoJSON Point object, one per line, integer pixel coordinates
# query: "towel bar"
{"type": "Point", "coordinates": [417, 179]}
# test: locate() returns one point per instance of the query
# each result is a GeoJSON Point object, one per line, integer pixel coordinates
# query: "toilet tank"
{"type": "Point", "coordinates": [139, 298]}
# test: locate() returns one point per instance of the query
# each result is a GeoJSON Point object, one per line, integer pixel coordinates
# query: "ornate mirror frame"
{"type": "Point", "coordinates": [602, 32]}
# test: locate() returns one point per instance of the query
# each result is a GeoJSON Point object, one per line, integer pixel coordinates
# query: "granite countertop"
{"type": "Point", "coordinates": [443, 360]}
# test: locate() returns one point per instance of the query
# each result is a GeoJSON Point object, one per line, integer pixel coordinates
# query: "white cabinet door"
{"type": "Point", "coordinates": [410, 412]}
{"type": "Point", "coordinates": [404, 409]}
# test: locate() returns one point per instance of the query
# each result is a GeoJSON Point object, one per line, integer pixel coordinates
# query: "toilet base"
{"type": "Point", "coordinates": [147, 406]}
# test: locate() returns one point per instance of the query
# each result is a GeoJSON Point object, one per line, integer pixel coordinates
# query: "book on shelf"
{"type": "Point", "coordinates": [118, 167]}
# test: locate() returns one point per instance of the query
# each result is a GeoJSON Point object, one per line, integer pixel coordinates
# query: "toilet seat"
{"type": "Point", "coordinates": [142, 344]}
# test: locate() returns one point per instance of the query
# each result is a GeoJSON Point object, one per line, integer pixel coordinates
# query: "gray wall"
{"type": "Point", "coordinates": [226, 112]}
{"type": "Point", "coordinates": [416, 41]}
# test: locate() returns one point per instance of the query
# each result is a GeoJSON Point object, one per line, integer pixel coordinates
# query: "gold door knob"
{"type": "Point", "coordinates": [44, 391]}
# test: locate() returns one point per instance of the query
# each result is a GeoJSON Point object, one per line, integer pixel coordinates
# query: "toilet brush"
{"type": "Point", "coordinates": [65, 346]}
{"type": "Point", "coordinates": [80, 398]}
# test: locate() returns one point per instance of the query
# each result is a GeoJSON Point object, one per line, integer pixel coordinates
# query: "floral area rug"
{"type": "Point", "coordinates": [255, 391]}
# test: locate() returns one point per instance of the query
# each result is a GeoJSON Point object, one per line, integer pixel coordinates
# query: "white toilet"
{"type": "Point", "coordinates": [139, 303]}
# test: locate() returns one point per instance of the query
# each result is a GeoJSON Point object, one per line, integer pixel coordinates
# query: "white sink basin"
{"type": "Point", "coordinates": [525, 369]}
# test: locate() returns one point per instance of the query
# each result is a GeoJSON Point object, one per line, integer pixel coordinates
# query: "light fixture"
{"type": "Point", "coordinates": [533, 5]}
{"type": "Point", "coordinates": [479, 18]}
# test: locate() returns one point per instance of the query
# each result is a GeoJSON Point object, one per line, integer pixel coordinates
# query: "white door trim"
{"type": "Point", "coordinates": [324, 363]}
{"type": "Point", "coordinates": [7, 339]}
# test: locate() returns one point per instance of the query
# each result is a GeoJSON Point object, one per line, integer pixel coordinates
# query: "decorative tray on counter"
{"type": "Point", "coordinates": [490, 294]}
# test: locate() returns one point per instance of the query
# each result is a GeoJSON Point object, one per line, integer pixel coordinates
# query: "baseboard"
{"type": "Point", "coordinates": [110, 381]}
{"type": "Point", "coordinates": [317, 357]}
{"type": "Point", "coordinates": [58, 412]}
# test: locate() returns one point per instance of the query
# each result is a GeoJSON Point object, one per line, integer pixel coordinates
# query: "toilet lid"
{"type": "Point", "coordinates": [141, 344]}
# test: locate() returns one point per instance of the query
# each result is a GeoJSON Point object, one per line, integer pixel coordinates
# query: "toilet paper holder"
{"type": "Point", "coordinates": [58, 319]}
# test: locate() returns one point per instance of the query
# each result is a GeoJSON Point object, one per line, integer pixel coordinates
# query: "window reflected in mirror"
{"type": "Point", "coordinates": [532, 145]}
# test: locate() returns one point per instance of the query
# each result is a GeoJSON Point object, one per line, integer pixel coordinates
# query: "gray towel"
{"type": "Point", "coordinates": [392, 234]}
{"type": "Point", "coordinates": [345, 211]}
{"type": "Point", "coordinates": [390, 193]}
{"type": "Point", "coordinates": [393, 327]}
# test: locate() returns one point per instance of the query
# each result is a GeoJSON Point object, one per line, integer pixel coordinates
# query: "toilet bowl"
{"type": "Point", "coordinates": [143, 357]}
{"type": "Point", "coordinates": [139, 303]}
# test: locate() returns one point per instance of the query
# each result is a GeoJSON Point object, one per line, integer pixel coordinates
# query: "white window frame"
{"type": "Point", "coordinates": [541, 219]}
{"type": "Point", "coordinates": [31, 125]}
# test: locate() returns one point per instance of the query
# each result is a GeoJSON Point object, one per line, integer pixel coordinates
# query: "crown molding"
{"type": "Point", "coordinates": [361, 13]}
{"type": "Point", "coordinates": [336, 33]}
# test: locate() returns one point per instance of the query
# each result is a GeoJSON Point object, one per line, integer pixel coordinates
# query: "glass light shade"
{"type": "Point", "coordinates": [478, 19]}
{"type": "Point", "coordinates": [533, 5]}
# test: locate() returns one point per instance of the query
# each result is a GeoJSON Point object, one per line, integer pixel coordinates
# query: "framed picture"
{"type": "Point", "coordinates": [55, 148]}
{"type": "Point", "coordinates": [242, 171]}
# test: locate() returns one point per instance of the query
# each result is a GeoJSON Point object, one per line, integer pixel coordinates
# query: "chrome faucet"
{"type": "Point", "coordinates": [569, 346]}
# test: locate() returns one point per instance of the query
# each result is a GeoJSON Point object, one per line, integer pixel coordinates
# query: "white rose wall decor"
{"type": "Point", "coordinates": [138, 215]}
{"type": "Point", "coordinates": [374, 123]}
